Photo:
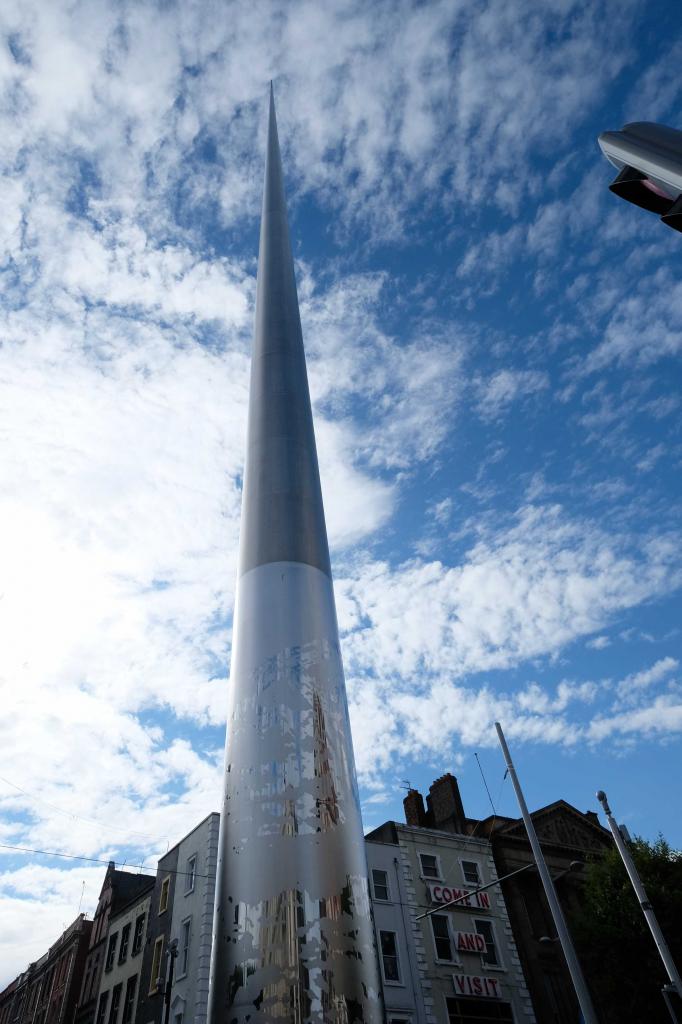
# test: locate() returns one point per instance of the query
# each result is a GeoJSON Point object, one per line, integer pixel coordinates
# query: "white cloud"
{"type": "Point", "coordinates": [645, 326]}
{"type": "Point", "coordinates": [526, 591]}
{"type": "Point", "coordinates": [599, 643]}
{"type": "Point", "coordinates": [630, 689]}
{"type": "Point", "coordinates": [507, 386]}
{"type": "Point", "coordinates": [30, 925]}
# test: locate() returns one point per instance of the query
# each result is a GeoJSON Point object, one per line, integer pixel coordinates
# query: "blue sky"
{"type": "Point", "coordinates": [493, 343]}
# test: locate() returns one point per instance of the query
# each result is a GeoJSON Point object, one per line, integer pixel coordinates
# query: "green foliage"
{"type": "Point", "coordinates": [623, 967]}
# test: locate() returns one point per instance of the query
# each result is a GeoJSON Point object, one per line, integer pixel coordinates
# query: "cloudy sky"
{"type": "Point", "coordinates": [493, 344]}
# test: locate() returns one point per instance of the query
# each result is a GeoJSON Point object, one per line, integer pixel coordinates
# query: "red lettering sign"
{"type": "Point", "coordinates": [470, 942]}
{"type": "Point", "coordinates": [463, 897]}
{"type": "Point", "coordinates": [474, 985]}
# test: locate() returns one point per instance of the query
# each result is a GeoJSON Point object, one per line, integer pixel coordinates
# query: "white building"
{"type": "Point", "coordinates": [459, 964]}
{"type": "Point", "coordinates": [192, 921]}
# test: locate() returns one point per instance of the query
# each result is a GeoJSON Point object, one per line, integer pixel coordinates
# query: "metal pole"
{"type": "Point", "coordinates": [581, 991]}
{"type": "Point", "coordinates": [172, 952]}
{"type": "Point", "coordinates": [666, 996]}
{"type": "Point", "coordinates": [641, 895]}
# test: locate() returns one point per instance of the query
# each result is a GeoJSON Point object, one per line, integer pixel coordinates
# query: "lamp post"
{"type": "Point", "coordinates": [647, 909]}
{"type": "Point", "coordinates": [563, 934]}
{"type": "Point", "coordinates": [172, 953]}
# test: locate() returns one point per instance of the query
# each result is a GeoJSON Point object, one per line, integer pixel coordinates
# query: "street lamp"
{"type": "Point", "coordinates": [648, 911]}
{"type": "Point", "coordinates": [171, 953]}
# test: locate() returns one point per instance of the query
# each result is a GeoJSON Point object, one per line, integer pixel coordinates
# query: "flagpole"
{"type": "Point", "coordinates": [640, 892]}
{"type": "Point", "coordinates": [581, 991]}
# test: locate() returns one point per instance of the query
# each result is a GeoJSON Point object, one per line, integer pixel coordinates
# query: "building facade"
{"type": "Point", "coordinates": [47, 992]}
{"type": "Point", "coordinates": [120, 978]}
{"type": "Point", "coordinates": [456, 963]}
{"type": "Point", "coordinates": [118, 889]}
{"type": "Point", "coordinates": [154, 968]}
{"type": "Point", "coordinates": [192, 921]}
{"type": "Point", "coordinates": [569, 838]}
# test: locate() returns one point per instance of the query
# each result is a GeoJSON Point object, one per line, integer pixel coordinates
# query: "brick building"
{"type": "Point", "coordinates": [47, 992]}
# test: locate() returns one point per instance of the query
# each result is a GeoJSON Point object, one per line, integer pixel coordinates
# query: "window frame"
{"type": "Point", "coordinates": [191, 876]}
{"type": "Point", "coordinates": [501, 1005]}
{"type": "Point", "coordinates": [430, 878]}
{"type": "Point", "coordinates": [129, 1000]}
{"type": "Point", "coordinates": [488, 923]}
{"type": "Point", "coordinates": [111, 952]}
{"type": "Point", "coordinates": [399, 979]}
{"type": "Point", "coordinates": [479, 875]}
{"type": "Point", "coordinates": [153, 986]}
{"type": "Point", "coordinates": [137, 945]}
{"type": "Point", "coordinates": [125, 942]}
{"type": "Point", "coordinates": [453, 945]}
{"type": "Point", "coordinates": [102, 1005]}
{"type": "Point", "coordinates": [115, 1003]}
{"type": "Point", "coordinates": [386, 886]}
{"type": "Point", "coordinates": [164, 895]}
{"type": "Point", "coordinates": [183, 951]}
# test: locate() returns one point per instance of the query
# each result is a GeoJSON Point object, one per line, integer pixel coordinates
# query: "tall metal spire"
{"type": "Point", "coordinates": [282, 514]}
{"type": "Point", "coordinates": [292, 937]}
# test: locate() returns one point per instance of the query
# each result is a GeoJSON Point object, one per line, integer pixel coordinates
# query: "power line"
{"type": "Point", "coordinates": [478, 762]}
{"type": "Point", "coordinates": [78, 817]}
{"type": "Point", "coordinates": [98, 860]}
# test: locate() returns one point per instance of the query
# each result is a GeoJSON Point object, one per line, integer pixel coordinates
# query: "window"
{"type": "Point", "coordinates": [138, 935]}
{"type": "Point", "coordinates": [471, 873]}
{"type": "Point", "coordinates": [129, 1000]}
{"type": "Point", "coordinates": [380, 884]}
{"type": "Point", "coordinates": [389, 956]}
{"type": "Point", "coordinates": [484, 1011]}
{"type": "Point", "coordinates": [163, 899]}
{"type": "Point", "coordinates": [184, 945]}
{"type": "Point", "coordinates": [156, 965]}
{"type": "Point", "coordinates": [191, 873]}
{"type": "Point", "coordinates": [115, 1001]}
{"type": "Point", "coordinates": [86, 981]}
{"type": "Point", "coordinates": [485, 928]}
{"type": "Point", "coordinates": [102, 1008]}
{"type": "Point", "coordinates": [441, 937]}
{"type": "Point", "coordinates": [429, 865]}
{"type": "Point", "coordinates": [125, 942]}
{"type": "Point", "coordinates": [111, 952]}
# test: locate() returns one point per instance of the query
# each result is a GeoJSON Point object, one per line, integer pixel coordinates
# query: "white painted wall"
{"type": "Point", "coordinates": [189, 995]}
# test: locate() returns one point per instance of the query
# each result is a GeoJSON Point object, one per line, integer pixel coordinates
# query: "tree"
{"type": "Point", "coordinates": [623, 967]}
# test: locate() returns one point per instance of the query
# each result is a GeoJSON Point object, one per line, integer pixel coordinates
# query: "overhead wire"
{"type": "Point", "coordinates": [78, 817]}
{"type": "Point", "coordinates": [98, 860]}
{"type": "Point", "coordinates": [487, 789]}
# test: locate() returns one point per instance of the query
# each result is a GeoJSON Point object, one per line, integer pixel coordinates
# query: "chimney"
{"type": "Point", "coordinates": [445, 804]}
{"type": "Point", "coordinates": [414, 808]}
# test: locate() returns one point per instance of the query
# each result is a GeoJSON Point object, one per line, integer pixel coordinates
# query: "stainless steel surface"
{"type": "Point", "coordinates": [282, 514]}
{"type": "Point", "coordinates": [563, 934]}
{"type": "Point", "coordinates": [293, 938]}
